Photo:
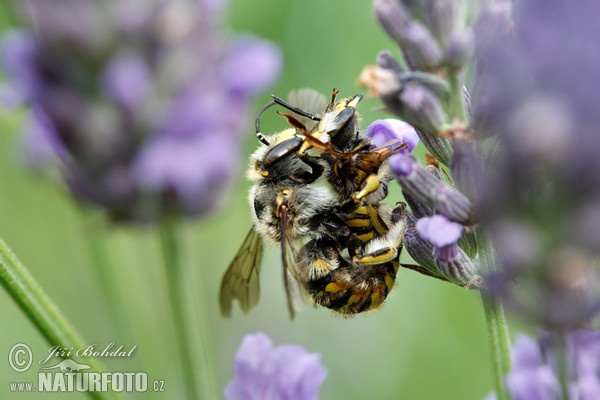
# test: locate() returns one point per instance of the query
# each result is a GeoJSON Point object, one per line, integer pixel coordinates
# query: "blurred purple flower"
{"type": "Point", "coordinates": [250, 65]}
{"type": "Point", "coordinates": [18, 51]}
{"type": "Point", "coordinates": [127, 80]}
{"type": "Point", "coordinates": [149, 103]}
{"type": "Point", "coordinates": [263, 372]}
{"type": "Point", "coordinates": [534, 373]}
{"type": "Point", "coordinates": [42, 143]}
{"type": "Point", "coordinates": [539, 108]}
{"type": "Point", "coordinates": [531, 377]}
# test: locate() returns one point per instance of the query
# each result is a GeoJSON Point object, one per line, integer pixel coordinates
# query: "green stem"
{"type": "Point", "coordinates": [498, 340]}
{"type": "Point", "coordinates": [106, 273]}
{"type": "Point", "coordinates": [497, 327]}
{"type": "Point", "coordinates": [562, 365]}
{"type": "Point", "coordinates": [457, 105]}
{"type": "Point", "coordinates": [194, 368]}
{"type": "Point", "coordinates": [43, 313]}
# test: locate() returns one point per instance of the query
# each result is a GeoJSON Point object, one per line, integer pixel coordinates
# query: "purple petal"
{"type": "Point", "coordinates": [439, 230]}
{"type": "Point", "coordinates": [42, 143]}
{"type": "Point", "coordinates": [18, 51]}
{"type": "Point", "coordinates": [300, 374]}
{"type": "Point", "coordinates": [287, 372]}
{"type": "Point", "coordinates": [402, 164]}
{"type": "Point", "coordinates": [383, 131]}
{"type": "Point", "coordinates": [526, 353]}
{"type": "Point", "coordinates": [198, 169]}
{"type": "Point", "coordinates": [126, 80]}
{"type": "Point", "coordinates": [533, 384]}
{"type": "Point", "coordinates": [251, 65]}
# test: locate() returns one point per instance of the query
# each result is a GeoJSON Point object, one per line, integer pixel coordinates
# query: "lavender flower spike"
{"type": "Point", "coordinates": [542, 176]}
{"type": "Point", "coordinates": [287, 372]}
{"type": "Point", "coordinates": [143, 104]}
{"type": "Point", "coordinates": [450, 259]}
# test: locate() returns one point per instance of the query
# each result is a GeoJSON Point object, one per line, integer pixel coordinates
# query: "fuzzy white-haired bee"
{"type": "Point", "coordinates": [314, 196]}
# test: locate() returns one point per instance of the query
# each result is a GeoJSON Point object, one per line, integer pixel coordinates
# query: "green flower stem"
{"type": "Point", "coordinates": [457, 105]}
{"type": "Point", "coordinates": [562, 365]}
{"type": "Point", "coordinates": [499, 342]}
{"type": "Point", "coordinates": [107, 275]}
{"type": "Point", "coordinates": [496, 322]}
{"type": "Point", "coordinates": [42, 312]}
{"type": "Point", "coordinates": [192, 355]}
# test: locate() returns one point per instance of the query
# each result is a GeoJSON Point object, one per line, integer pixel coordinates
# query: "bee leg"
{"type": "Point", "coordinates": [317, 169]}
{"type": "Point", "coordinates": [370, 185]}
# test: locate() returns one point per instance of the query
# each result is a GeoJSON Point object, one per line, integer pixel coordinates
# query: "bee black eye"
{"type": "Point", "coordinates": [281, 150]}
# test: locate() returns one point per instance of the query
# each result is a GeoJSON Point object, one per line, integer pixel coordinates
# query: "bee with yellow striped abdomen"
{"type": "Point", "coordinates": [314, 196]}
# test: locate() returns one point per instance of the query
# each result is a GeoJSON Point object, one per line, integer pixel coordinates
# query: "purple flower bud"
{"type": "Point", "coordinates": [250, 66]}
{"type": "Point", "coordinates": [426, 188]}
{"type": "Point", "coordinates": [383, 131]}
{"type": "Point", "coordinates": [418, 208]}
{"type": "Point", "coordinates": [412, 96]}
{"type": "Point", "coordinates": [460, 50]}
{"type": "Point", "coordinates": [468, 242]}
{"type": "Point", "coordinates": [451, 261]}
{"type": "Point", "coordinates": [423, 108]}
{"type": "Point", "coordinates": [420, 250]}
{"type": "Point", "coordinates": [411, 35]}
{"type": "Point", "coordinates": [287, 372]}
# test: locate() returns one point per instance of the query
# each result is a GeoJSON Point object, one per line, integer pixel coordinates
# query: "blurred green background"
{"type": "Point", "coordinates": [428, 342]}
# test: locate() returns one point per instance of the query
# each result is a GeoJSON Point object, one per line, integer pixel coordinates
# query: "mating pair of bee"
{"type": "Point", "coordinates": [316, 193]}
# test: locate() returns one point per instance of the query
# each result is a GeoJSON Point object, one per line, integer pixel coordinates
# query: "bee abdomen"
{"type": "Point", "coordinates": [353, 289]}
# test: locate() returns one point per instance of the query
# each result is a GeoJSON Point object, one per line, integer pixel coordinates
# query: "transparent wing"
{"type": "Point", "coordinates": [308, 100]}
{"type": "Point", "coordinates": [241, 279]}
{"type": "Point", "coordinates": [295, 293]}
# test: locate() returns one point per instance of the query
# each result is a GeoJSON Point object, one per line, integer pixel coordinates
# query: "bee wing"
{"type": "Point", "coordinates": [295, 293]}
{"type": "Point", "coordinates": [308, 100]}
{"type": "Point", "coordinates": [241, 279]}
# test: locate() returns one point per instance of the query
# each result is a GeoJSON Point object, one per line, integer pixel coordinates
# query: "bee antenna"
{"type": "Point", "coordinates": [296, 110]}
{"type": "Point", "coordinates": [259, 135]}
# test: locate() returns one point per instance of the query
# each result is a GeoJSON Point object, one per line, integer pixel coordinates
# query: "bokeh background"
{"type": "Point", "coordinates": [428, 342]}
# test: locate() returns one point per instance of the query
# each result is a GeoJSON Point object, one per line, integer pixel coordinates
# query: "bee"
{"type": "Point", "coordinates": [303, 221]}
{"type": "Point", "coordinates": [315, 225]}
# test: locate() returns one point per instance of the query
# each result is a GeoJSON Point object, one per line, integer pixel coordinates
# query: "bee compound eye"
{"type": "Point", "coordinates": [281, 150]}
